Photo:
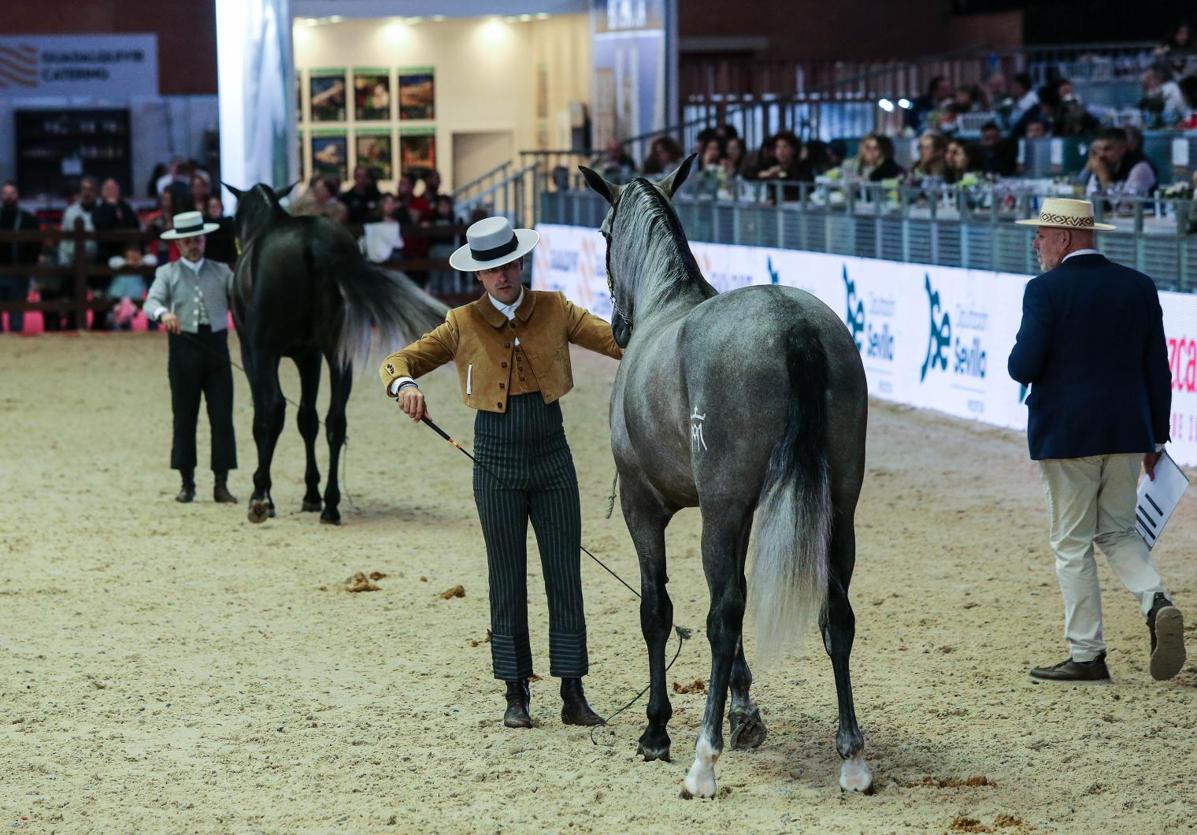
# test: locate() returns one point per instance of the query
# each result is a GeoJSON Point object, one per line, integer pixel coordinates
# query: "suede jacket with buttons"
{"type": "Point", "coordinates": [480, 341]}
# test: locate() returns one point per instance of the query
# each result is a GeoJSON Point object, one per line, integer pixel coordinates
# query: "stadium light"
{"type": "Point", "coordinates": [905, 103]}
{"type": "Point", "coordinates": [886, 105]}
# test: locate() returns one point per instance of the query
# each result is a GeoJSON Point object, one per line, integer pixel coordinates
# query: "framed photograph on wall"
{"type": "Point", "coordinates": [371, 94]}
{"type": "Point", "coordinates": [327, 95]}
{"type": "Point", "coordinates": [417, 93]}
{"type": "Point", "coordinates": [330, 153]}
{"type": "Point", "coordinates": [417, 149]}
{"type": "Point", "coordinates": [372, 148]}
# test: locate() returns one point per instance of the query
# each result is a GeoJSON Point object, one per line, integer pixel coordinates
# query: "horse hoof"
{"type": "Point", "coordinates": [652, 752]}
{"type": "Point", "coordinates": [260, 511]}
{"type": "Point", "coordinates": [330, 516]}
{"type": "Point", "coordinates": [747, 730]}
{"type": "Point", "coordinates": [700, 785]}
{"type": "Point", "coordinates": [310, 506]}
{"type": "Point", "coordinates": [855, 775]}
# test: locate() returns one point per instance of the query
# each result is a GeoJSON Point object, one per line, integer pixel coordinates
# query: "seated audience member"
{"type": "Point", "coordinates": [786, 164]}
{"type": "Point", "coordinates": [664, 154]}
{"type": "Point", "coordinates": [15, 288]}
{"type": "Point", "coordinates": [222, 244]}
{"type": "Point", "coordinates": [930, 164]}
{"type": "Point", "coordinates": [958, 160]}
{"type": "Point", "coordinates": [1037, 129]}
{"type": "Point", "coordinates": [711, 176]}
{"type": "Point", "coordinates": [128, 286]}
{"type": "Point", "coordinates": [996, 155]}
{"type": "Point", "coordinates": [1179, 50]}
{"type": "Point", "coordinates": [112, 212]}
{"type": "Point", "coordinates": [615, 163]}
{"type": "Point", "coordinates": [1072, 118]}
{"type": "Point", "coordinates": [321, 199]}
{"type": "Point", "coordinates": [414, 208]}
{"type": "Point", "coordinates": [814, 159]}
{"type": "Point", "coordinates": [937, 97]}
{"type": "Point", "coordinates": [1188, 89]}
{"type": "Point", "coordinates": [361, 199]}
{"type": "Point", "coordinates": [1116, 169]}
{"type": "Point", "coordinates": [735, 159]}
{"type": "Point", "coordinates": [1163, 102]}
{"type": "Point", "coordinates": [877, 159]}
{"type": "Point", "coordinates": [176, 172]}
{"type": "Point", "coordinates": [443, 219]}
{"type": "Point", "coordinates": [382, 239]}
{"type": "Point", "coordinates": [201, 190]}
{"type": "Point", "coordinates": [1022, 98]}
{"type": "Point", "coordinates": [762, 159]}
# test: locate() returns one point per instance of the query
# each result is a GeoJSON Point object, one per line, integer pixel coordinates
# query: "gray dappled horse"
{"type": "Point", "coordinates": [304, 291]}
{"type": "Point", "coordinates": [751, 402]}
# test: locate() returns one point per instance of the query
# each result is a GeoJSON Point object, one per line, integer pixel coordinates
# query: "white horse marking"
{"type": "Point", "coordinates": [855, 775]}
{"type": "Point", "coordinates": [696, 439]}
{"type": "Point", "coordinates": [700, 779]}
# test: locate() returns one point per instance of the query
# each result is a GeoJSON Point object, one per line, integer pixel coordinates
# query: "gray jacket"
{"type": "Point", "coordinates": [178, 290]}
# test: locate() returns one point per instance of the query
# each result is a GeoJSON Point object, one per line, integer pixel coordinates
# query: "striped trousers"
{"type": "Point", "coordinates": [527, 450]}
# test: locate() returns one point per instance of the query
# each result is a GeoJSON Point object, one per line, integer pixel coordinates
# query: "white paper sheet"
{"type": "Point", "coordinates": [1157, 499]}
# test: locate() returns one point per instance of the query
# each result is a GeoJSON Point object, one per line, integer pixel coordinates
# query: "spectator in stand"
{"type": "Point", "coordinates": [416, 208]}
{"type": "Point", "coordinates": [786, 164]}
{"type": "Point", "coordinates": [432, 186]}
{"type": "Point", "coordinates": [930, 164]}
{"type": "Point", "coordinates": [1115, 169]}
{"type": "Point", "coordinates": [614, 163]}
{"type": "Point", "coordinates": [664, 154]}
{"type": "Point", "coordinates": [15, 288]}
{"type": "Point", "coordinates": [321, 199]}
{"type": "Point", "coordinates": [113, 212]}
{"type": "Point", "coordinates": [1038, 129]}
{"type": "Point", "coordinates": [764, 158]}
{"type": "Point", "coordinates": [382, 240]}
{"type": "Point", "coordinates": [361, 199]}
{"type": "Point", "coordinates": [151, 189]}
{"type": "Point", "coordinates": [1179, 50]}
{"type": "Point", "coordinates": [959, 160]}
{"type": "Point", "coordinates": [711, 176]}
{"type": "Point", "coordinates": [996, 155]}
{"type": "Point", "coordinates": [222, 242]}
{"type": "Point", "coordinates": [1188, 89]}
{"type": "Point", "coordinates": [815, 159]}
{"type": "Point", "coordinates": [176, 172]}
{"type": "Point", "coordinates": [1072, 118]}
{"type": "Point", "coordinates": [735, 158]}
{"type": "Point", "coordinates": [128, 286]}
{"type": "Point", "coordinates": [201, 190]}
{"type": "Point", "coordinates": [939, 93]}
{"type": "Point", "coordinates": [160, 221]}
{"type": "Point", "coordinates": [1163, 104]}
{"type": "Point", "coordinates": [83, 209]}
{"type": "Point", "coordinates": [877, 159]}
{"type": "Point", "coordinates": [444, 218]}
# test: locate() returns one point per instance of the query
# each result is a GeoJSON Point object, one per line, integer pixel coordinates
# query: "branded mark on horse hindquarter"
{"type": "Point", "coordinates": [696, 440]}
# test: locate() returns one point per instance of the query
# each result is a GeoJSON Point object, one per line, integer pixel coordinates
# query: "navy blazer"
{"type": "Point", "coordinates": [1091, 346]}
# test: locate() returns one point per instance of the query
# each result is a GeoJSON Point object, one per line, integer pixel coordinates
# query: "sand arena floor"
{"type": "Point", "coordinates": [176, 669]}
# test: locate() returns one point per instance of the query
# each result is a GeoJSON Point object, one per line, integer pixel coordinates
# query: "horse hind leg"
{"type": "Point", "coordinates": [722, 531]}
{"type": "Point", "coordinates": [744, 717]}
{"type": "Point", "coordinates": [340, 380]}
{"type": "Point", "coordinates": [839, 630]}
{"type": "Point", "coordinates": [309, 428]}
{"type": "Point", "coordinates": [269, 413]}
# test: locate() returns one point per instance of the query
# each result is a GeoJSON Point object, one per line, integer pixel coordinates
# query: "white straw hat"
{"type": "Point", "coordinates": [491, 243]}
{"type": "Point", "coordinates": [1062, 213]}
{"type": "Point", "coordinates": [188, 225]}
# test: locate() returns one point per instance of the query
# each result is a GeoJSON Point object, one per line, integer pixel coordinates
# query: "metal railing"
{"type": "Point", "coordinates": [944, 224]}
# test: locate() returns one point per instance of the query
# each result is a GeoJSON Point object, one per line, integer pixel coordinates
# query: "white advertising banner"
{"type": "Point", "coordinates": [931, 337]}
{"type": "Point", "coordinates": [112, 66]}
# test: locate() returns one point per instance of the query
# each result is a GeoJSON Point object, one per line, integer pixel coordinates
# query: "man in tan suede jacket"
{"type": "Point", "coordinates": [511, 349]}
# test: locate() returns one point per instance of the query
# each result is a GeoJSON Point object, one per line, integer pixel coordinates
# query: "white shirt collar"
{"type": "Point", "coordinates": [507, 310]}
{"type": "Point", "coordinates": [1080, 252]}
{"type": "Point", "coordinates": [195, 266]}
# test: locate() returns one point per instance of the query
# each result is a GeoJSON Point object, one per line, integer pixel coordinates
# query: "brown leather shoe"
{"type": "Point", "coordinates": [518, 697]}
{"type": "Point", "coordinates": [574, 708]}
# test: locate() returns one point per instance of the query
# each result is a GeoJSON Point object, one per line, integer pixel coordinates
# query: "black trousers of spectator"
{"type": "Point", "coordinates": [198, 364]}
{"type": "Point", "coordinates": [526, 448]}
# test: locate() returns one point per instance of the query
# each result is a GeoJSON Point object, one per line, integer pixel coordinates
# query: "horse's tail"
{"type": "Point", "coordinates": [389, 300]}
{"type": "Point", "coordinates": [793, 518]}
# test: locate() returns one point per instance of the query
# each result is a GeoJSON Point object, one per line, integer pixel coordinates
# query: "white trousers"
{"type": "Point", "coordinates": [1092, 500]}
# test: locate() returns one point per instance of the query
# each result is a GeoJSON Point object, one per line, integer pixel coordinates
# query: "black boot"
{"type": "Point", "coordinates": [187, 493]}
{"type": "Point", "coordinates": [518, 697]}
{"type": "Point", "coordinates": [1167, 629]}
{"type": "Point", "coordinates": [574, 709]}
{"type": "Point", "coordinates": [220, 493]}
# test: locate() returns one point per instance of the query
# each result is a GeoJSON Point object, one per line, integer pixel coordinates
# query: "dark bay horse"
{"type": "Point", "coordinates": [304, 291]}
{"type": "Point", "coordinates": [751, 403]}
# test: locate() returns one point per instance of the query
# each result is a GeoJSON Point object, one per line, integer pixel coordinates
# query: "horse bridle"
{"type": "Point", "coordinates": [615, 308]}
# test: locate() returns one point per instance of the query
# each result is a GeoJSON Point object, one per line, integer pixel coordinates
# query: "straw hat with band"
{"type": "Point", "coordinates": [1062, 213]}
{"type": "Point", "coordinates": [491, 243]}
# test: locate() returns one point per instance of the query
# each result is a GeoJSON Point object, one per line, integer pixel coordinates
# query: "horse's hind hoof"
{"type": "Point", "coordinates": [747, 730]}
{"type": "Point", "coordinates": [856, 776]}
{"type": "Point", "coordinates": [312, 506]}
{"type": "Point", "coordinates": [653, 749]}
{"type": "Point", "coordinates": [330, 516]}
{"type": "Point", "coordinates": [260, 511]}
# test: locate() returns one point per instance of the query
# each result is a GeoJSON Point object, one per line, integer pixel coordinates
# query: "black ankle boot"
{"type": "Point", "coordinates": [187, 492]}
{"type": "Point", "coordinates": [574, 708]}
{"type": "Point", "coordinates": [220, 493]}
{"type": "Point", "coordinates": [518, 697]}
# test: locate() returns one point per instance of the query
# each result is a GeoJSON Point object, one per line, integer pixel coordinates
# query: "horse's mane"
{"type": "Point", "coordinates": [653, 246]}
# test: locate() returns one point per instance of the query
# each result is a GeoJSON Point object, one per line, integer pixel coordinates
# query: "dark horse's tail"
{"type": "Point", "coordinates": [388, 300]}
{"type": "Point", "coordinates": [793, 530]}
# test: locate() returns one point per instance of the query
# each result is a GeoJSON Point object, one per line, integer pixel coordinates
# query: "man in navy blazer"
{"type": "Point", "coordinates": [1091, 347]}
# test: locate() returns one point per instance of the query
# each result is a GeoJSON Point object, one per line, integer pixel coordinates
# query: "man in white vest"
{"type": "Point", "coordinates": [191, 297]}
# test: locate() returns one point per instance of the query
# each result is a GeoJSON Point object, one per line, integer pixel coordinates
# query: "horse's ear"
{"type": "Point", "coordinates": [236, 191]}
{"type": "Point", "coordinates": [283, 192]}
{"type": "Point", "coordinates": [600, 184]}
{"type": "Point", "coordinates": [671, 183]}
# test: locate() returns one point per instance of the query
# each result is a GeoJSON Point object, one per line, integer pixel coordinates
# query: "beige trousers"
{"type": "Point", "coordinates": [1092, 500]}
